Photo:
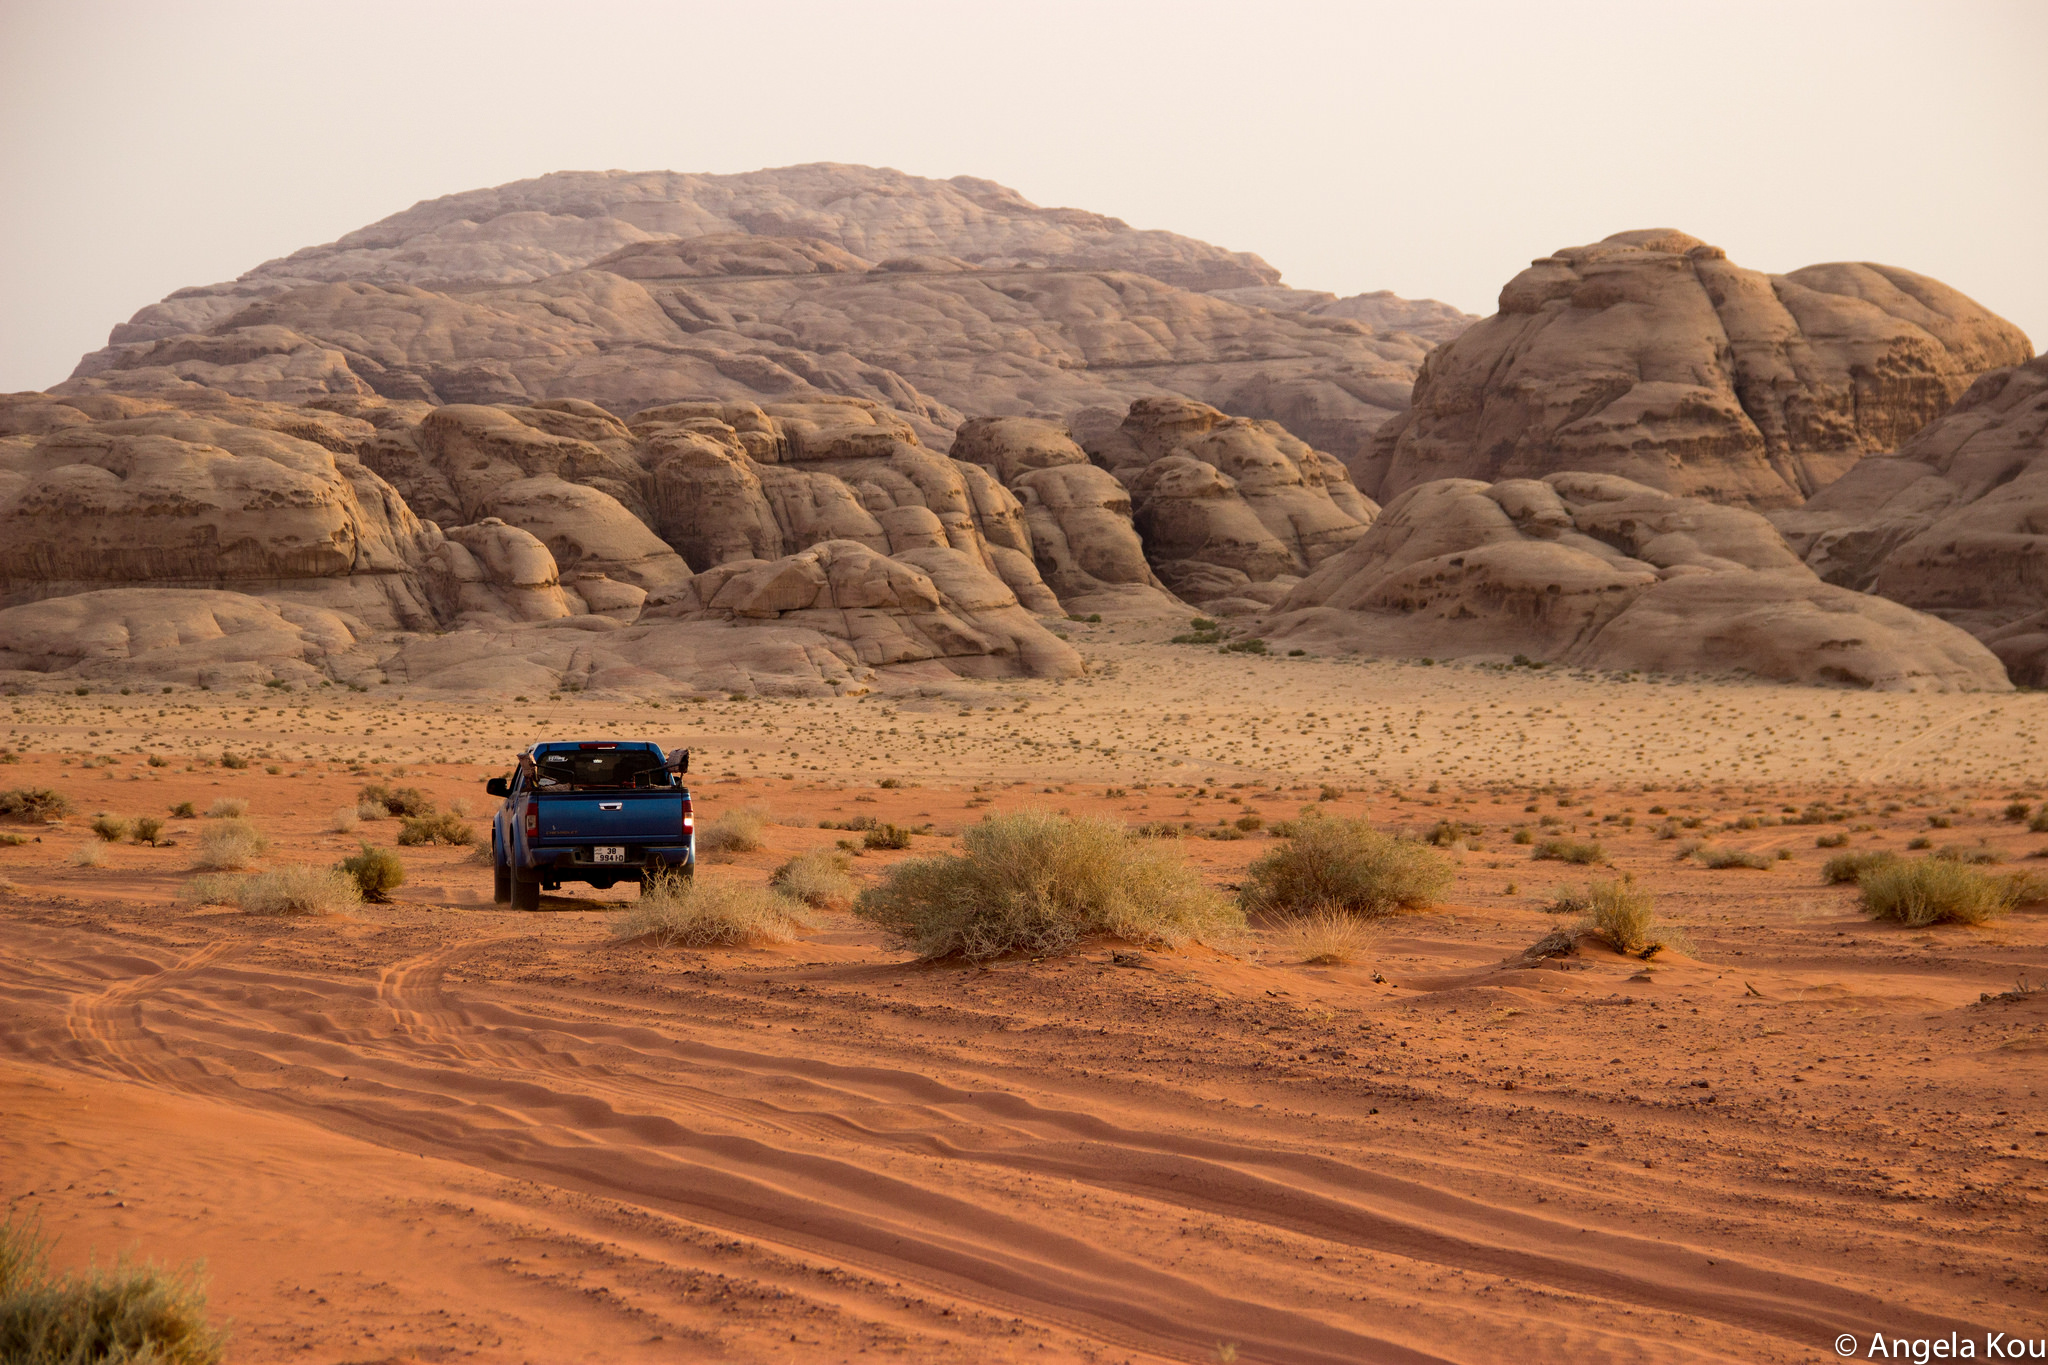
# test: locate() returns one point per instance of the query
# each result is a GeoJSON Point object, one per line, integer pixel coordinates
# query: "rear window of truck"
{"type": "Point", "coordinates": [576, 769]}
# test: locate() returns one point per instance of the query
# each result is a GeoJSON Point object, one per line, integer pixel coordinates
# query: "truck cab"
{"type": "Point", "coordinates": [598, 812]}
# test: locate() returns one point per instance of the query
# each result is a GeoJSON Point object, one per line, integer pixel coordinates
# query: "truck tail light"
{"type": "Point", "coordinates": [689, 820]}
{"type": "Point", "coordinates": [532, 821]}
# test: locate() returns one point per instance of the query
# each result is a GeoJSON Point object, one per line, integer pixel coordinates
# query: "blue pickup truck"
{"type": "Point", "coordinates": [595, 812]}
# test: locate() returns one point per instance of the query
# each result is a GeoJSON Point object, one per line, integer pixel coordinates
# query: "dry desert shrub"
{"type": "Point", "coordinates": [821, 879]}
{"type": "Point", "coordinates": [1850, 867]}
{"type": "Point", "coordinates": [1031, 881]}
{"type": "Point", "coordinates": [402, 801]}
{"type": "Point", "coordinates": [1346, 865]}
{"type": "Point", "coordinates": [1926, 891]}
{"type": "Point", "coordinates": [1578, 851]}
{"type": "Point", "coordinates": [296, 889]}
{"type": "Point", "coordinates": [211, 888]}
{"type": "Point", "coordinates": [1327, 938]}
{"type": "Point", "coordinates": [89, 855]}
{"type": "Point", "coordinates": [345, 820]}
{"type": "Point", "coordinates": [1718, 858]}
{"type": "Point", "coordinates": [128, 1315]}
{"type": "Point", "coordinates": [229, 844]}
{"type": "Point", "coordinates": [377, 872]}
{"type": "Point", "coordinates": [446, 828]}
{"type": "Point", "coordinates": [111, 828]}
{"type": "Point", "coordinates": [371, 810]}
{"type": "Point", "coordinates": [1622, 915]}
{"type": "Point", "coordinates": [686, 912]}
{"type": "Point", "coordinates": [735, 831]}
{"type": "Point", "coordinates": [148, 829]}
{"type": "Point", "coordinates": [33, 805]}
{"type": "Point", "coordinates": [227, 808]}
{"type": "Point", "coordinates": [886, 836]}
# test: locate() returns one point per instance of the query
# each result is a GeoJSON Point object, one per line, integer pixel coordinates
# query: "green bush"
{"type": "Point", "coordinates": [1036, 882]}
{"type": "Point", "coordinates": [886, 836]}
{"type": "Point", "coordinates": [1849, 867]}
{"type": "Point", "coordinates": [1580, 851]}
{"type": "Point", "coordinates": [33, 805]}
{"type": "Point", "coordinates": [377, 871]}
{"type": "Point", "coordinates": [111, 828]}
{"type": "Point", "coordinates": [230, 759]}
{"type": "Point", "coordinates": [130, 1315]}
{"type": "Point", "coordinates": [1924, 891]}
{"type": "Point", "coordinates": [1250, 821]}
{"type": "Point", "coordinates": [1253, 646]}
{"type": "Point", "coordinates": [446, 828]}
{"type": "Point", "coordinates": [1347, 866]}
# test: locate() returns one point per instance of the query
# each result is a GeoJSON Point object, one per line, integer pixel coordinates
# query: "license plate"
{"type": "Point", "coordinates": [604, 853]}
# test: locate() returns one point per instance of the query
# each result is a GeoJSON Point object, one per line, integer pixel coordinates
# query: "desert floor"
{"type": "Point", "coordinates": [441, 1131]}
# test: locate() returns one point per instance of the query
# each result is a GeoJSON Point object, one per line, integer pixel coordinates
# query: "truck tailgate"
{"type": "Point", "coordinates": [621, 817]}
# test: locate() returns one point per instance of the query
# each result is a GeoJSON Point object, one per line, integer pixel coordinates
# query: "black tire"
{"type": "Point", "coordinates": [525, 894]}
{"type": "Point", "coordinates": [501, 877]}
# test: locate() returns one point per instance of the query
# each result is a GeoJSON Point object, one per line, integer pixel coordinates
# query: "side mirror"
{"type": "Point", "coordinates": [498, 786]}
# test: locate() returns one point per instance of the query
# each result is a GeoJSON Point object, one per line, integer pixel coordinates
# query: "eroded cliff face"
{"type": "Point", "coordinates": [1651, 356]}
{"type": "Point", "coordinates": [1232, 512]}
{"type": "Point", "coordinates": [1595, 571]}
{"type": "Point", "coordinates": [1955, 524]}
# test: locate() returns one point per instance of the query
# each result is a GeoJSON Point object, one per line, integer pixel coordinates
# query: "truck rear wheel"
{"type": "Point", "coordinates": [525, 894]}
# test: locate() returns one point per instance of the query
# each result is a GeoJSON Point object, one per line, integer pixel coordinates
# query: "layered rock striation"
{"type": "Point", "coordinates": [1595, 571]}
{"type": "Point", "coordinates": [1955, 523]}
{"type": "Point", "coordinates": [1651, 356]}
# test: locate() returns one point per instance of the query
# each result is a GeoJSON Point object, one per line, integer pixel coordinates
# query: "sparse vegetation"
{"type": "Point", "coordinates": [1327, 938]}
{"type": "Point", "coordinates": [1839, 839]}
{"type": "Point", "coordinates": [1849, 867]}
{"type": "Point", "coordinates": [377, 871]}
{"type": "Point", "coordinates": [296, 889]}
{"type": "Point", "coordinates": [211, 888]}
{"type": "Point", "coordinates": [2039, 824]}
{"type": "Point", "coordinates": [1719, 858]}
{"type": "Point", "coordinates": [230, 844]}
{"type": "Point", "coordinates": [33, 805]}
{"type": "Point", "coordinates": [886, 836]}
{"type": "Point", "coordinates": [445, 828]}
{"type": "Point", "coordinates": [345, 820]}
{"type": "Point", "coordinates": [735, 831]}
{"type": "Point", "coordinates": [1623, 916]}
{"type": "Point", "coordinates": [89, 855]}
{"type": "Point", "coordinates": [227, 808]}
{"type": "Point", "coordinates": [1348, 866]}
{"type": "Point", "coordinates": [111, 828]}
{"type": "Point", "coordinates": [1567, 900]}
{"type": "Point", "coordinates": [1032, 881]}
{"type": "Point", "coordinates": [821, 879]}
{"type": "Point", "coordinates": [1922, 891]}
{"type": "Point", "coordinates": [410, 801]}
{"type": "Point", "coordinates": [130, 1315]}
{"type": "Point", "coordinates": [184, 810]}
{"type": "Point", "coordinates": [696, 912]}
{"type": "Point", "coordinates": [2018, 810]}
{"type": "Point", "coordinates": [1579, 851]}
{"type": "Point", "coordinates": [230, 759]}
{"type": "Point", "coordinates": [148, 830]}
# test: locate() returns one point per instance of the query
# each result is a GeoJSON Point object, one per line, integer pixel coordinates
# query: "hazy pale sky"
{"type": "Point", "coordinates": [1431, 149]}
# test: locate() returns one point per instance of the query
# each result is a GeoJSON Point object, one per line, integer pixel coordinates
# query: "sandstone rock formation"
{"type": "Point", "coordinates": [1595, 571]}
{"type": "Point", "coordinates": [268, 546]}
{"type": "Point", "coordinates": [933, 298]}
{"type": "Point", "coordinates": [1382, 309]}
{"type": "Point", "coordinates": [1231, 511]}
{"type": "Point", "coordinates": [1955, 524]}
{"type": "Point", "coordinates": [1651, 356]}
{"type": "Point", "coordinates": [1082, 536]}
